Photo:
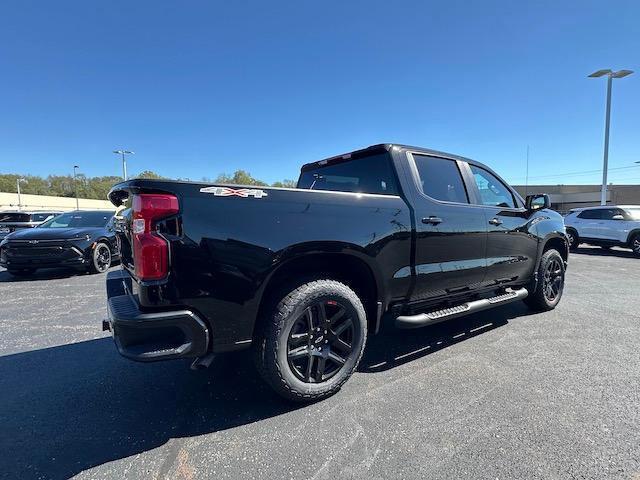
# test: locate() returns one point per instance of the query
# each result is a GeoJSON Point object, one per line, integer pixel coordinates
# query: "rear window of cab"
{"type": "Point", "coordinates": [370, 174]}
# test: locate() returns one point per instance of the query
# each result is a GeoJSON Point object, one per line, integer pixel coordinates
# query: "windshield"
{"type": "Point", "coordinates": [634, 212]}
{"type": "Point", "coordinates": [79, 219]}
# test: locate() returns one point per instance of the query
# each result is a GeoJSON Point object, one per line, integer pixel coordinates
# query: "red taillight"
{"type": "Point", "coordinates": [150, 250]}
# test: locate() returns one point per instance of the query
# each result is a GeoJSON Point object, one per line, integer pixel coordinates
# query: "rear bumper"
{"type": "Point", "coordinates": [152, 336]}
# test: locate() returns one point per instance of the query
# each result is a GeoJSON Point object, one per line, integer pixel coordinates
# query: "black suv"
{"type": "Point", "coordinates": [81, 240]}
{"type": "Point", "coordinates": [303, 275]}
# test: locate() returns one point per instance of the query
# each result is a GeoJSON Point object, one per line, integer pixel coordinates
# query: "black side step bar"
{"type": "Point", "coordinates": [424, 319]}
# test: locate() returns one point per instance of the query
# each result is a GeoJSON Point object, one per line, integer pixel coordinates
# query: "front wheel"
{"type": "Point", "coordinates": [101, 258]}
{"type": "Point", "coordinates": [550, 282]}
{"type": "Point", "coordinates": [635, 244]}
{"type": "Point", "coordinates": [574, 240]}
{"type": "Point", "coordinates": [312, 340]}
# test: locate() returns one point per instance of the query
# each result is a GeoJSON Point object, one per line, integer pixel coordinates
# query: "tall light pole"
{"type": "Point", "coordinates": [610, 76]}
{"type": "Point", "coordinates": [18, 182]}
{"type": "Point", "coordinates": [124, 160]}
{"type": "Point", "coordinates": [75, 186]}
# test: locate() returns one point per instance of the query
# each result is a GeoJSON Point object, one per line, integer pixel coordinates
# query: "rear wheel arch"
{"type": "Point", "coordinates": [349, 269]}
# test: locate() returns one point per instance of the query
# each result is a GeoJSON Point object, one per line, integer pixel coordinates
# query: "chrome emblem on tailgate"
{"type": "Point", "coordinates": [232, 192]}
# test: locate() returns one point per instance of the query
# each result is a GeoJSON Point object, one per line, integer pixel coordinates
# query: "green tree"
{"type": "Point", "coordinates": [286, 183]}
{"type": "Point", "coordinates": [149, 174]}
{"type": "Point", "coordinates": [239, 177]}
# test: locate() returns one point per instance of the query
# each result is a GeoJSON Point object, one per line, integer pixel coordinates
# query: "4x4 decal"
{"type": "Point", "coordinates": [233, 192]}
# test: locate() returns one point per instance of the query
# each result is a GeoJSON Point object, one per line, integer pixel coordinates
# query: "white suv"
{"type": "Point", "coordinates": [606, 226]}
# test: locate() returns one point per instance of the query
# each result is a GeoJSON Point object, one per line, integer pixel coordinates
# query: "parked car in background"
{"type": "Point", "coordinates": [301, 275]}
{"type": "Point", "coordinates": [10, 221]}
{"type": "Point", "coordinates": [606, 226]}
{"type": "Point", "coordinates": [83, 240]}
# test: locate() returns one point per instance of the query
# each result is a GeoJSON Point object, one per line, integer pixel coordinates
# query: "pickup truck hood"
{"type": "Point", "coordinates": [54, 233]}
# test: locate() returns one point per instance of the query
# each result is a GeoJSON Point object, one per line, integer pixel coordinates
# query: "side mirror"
{"type": "Point", "coordinates": [537, 202]}
{"type": "Point", "coordinates": [618, 217]}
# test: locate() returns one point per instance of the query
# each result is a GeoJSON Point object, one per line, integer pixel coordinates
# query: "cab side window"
{"type": "Point", "coordinates": [492, 191]}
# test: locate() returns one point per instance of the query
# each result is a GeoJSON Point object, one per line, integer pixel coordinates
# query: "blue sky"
{"type": "Point", "coordinates": [198, 88]}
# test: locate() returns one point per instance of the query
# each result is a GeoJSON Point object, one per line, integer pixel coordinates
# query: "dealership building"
{"type": "Point", "coordinates": [566, 197]}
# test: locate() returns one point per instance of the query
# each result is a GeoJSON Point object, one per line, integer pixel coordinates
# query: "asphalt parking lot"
{"type": "Point", "coordinates": [501, 394]}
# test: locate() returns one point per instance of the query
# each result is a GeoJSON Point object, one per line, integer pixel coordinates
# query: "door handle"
{"type": "Point", "coordinates": [432, 220]}
{"type": "Point", "coordinates": [495, 221]}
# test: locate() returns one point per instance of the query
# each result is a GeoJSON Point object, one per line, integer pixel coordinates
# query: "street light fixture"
{"type": "Point", "coordinates": [610, 76]}
{"type": "Point", "coordinates": [75, 186]}
{"type": "Point", "coordinates": [124, 160]}
{"type": "Point", "coordinates": [18, 182]}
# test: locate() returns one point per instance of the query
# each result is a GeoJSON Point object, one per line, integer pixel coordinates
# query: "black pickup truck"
{"type": "Point", "coordinates": [302, 276]}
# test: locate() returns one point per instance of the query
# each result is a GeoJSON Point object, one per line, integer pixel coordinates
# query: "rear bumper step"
{"type": "Point", "coordinates": [149, 337]}
{"type": "Point", "coordinates": [429, 318]}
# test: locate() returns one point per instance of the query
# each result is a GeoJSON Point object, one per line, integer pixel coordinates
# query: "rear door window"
{"type": "Point", "coordinates": [609, 213]}
{"type": "Point", "coordinates": [370, 174]}
{"type": "Point", "coordinates": [440, 178]}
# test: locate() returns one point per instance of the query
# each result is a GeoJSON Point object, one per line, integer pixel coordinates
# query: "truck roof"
{"type": "Point", "coordinates": [386, 147]}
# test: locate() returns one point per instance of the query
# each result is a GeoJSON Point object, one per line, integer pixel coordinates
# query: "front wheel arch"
{"type": "Point", "coordinates": [632, 235]}
{"type": "Point", "coordinates": [556, 242]}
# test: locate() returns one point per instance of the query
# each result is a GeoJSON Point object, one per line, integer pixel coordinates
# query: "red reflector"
{"type": "Point", "coordinates": [150, 250]}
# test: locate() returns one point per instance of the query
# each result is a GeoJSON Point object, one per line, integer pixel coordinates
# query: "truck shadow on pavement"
{"type": "Point", "coordinates": [395, 347]}
{"type": "Point", "coordinates": [66, 409]}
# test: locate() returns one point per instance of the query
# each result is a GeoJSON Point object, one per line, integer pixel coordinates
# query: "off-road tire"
{"type": "Point", "coordinates": [272, 344]}
{"type": "Point", "coordinates": [548, 292]}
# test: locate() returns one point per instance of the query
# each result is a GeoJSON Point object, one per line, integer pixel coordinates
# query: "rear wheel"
{"type": "Point", "coordinates": [101, 258]}
{"type": "Point", "coordinates": [574, 240]}
{"type": "Point", "coordinates": [550, 282]}
{"type": "Point", "coordinates": [22, 272]}
{"type": "Point", "coordinates": [312, 340]}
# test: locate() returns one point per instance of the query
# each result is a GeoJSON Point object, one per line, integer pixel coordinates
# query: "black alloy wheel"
{"type": "Point", "coordinates": [320, 341]}
{"type": "Point", "coordinates": [101, 258]}
{"type": "Point", "coordinates": [553, 280]}
{"type": "Point", "coordinates": [635, 245]}
{"type": "Point", "coordinates": [546, 290]}
{"type": "Point", "coordinates": [311, 340]}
